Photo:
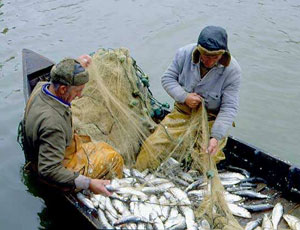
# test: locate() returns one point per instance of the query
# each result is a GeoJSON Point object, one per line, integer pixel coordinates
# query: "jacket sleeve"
{"type": "Point", "coordinates": [169, 79]}
{"type": "Point", "coordinates": [229, 105]}
{"type": "Point", "coordinates": [52, 143]}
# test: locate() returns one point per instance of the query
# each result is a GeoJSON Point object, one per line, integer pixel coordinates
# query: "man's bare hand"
{"type": "Point", "coordinates": [97, 186]}
{"type": "Point", "coordinates": [193, 100]}
{"type": "Point", "coordinates": [85, 60]}
{"type": "Point", "coordinates": [213, 146]}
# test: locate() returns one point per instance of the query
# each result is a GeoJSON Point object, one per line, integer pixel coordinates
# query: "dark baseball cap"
{"type": "Point", "coordinates": [69, 72]}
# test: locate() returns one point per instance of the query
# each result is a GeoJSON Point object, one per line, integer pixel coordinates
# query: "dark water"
{"type": "Point", "coordinates": [264, 36]}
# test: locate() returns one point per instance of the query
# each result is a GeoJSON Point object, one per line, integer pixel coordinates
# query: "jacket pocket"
{"type": "Point", "coordinates": [213, 101]}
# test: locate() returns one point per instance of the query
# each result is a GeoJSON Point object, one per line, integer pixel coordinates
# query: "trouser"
{"type": "Point", "coordinates": [95, 160]}
{"type": "Point", "coordinates": [171, 137]}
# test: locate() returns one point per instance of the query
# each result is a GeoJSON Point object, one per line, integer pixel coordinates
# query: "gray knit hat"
{"type": "Point", "coordinates": [213, 40]}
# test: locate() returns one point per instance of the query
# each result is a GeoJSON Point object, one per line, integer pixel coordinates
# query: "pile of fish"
{"type": "Point", "coordinates": [267, 223]}
{"type": "Point", "coordinates": [168, 198]}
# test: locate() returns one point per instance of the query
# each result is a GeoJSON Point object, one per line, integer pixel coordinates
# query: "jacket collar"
{"type": "Point", "coordinates": [224, 61]}
{"type": "Point", "coordinates": [61, 107]}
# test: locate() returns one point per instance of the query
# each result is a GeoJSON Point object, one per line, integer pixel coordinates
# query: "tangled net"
{"type": "Point", "coordinates": [117, 108]}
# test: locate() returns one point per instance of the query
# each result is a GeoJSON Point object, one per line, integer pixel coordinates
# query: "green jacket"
{"type": "Point", "coordinates": [48, 132]}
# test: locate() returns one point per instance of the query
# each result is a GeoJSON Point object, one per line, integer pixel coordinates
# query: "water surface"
{"type": "Point", "coordinates": [264, 37]}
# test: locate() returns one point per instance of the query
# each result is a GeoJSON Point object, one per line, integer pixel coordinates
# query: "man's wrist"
{"type": "Point", "coordinates": [82, 182]}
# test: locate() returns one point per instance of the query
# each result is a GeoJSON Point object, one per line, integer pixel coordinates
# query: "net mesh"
{"type": "Point", "coordinates": [117, 108]}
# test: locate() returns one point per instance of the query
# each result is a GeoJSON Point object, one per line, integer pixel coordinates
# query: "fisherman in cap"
{"type": "Point", "coordinates": [58, 156]}
{"type": "Point", "coordinates": [199, 72]}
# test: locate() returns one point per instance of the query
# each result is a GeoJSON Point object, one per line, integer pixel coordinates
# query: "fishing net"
{"type": "Point", "coordinates": [185, 135]}
{"type": "Point", "coordinates": [214, 206]}
{"type": "Point", "coordinates": [118, 108]}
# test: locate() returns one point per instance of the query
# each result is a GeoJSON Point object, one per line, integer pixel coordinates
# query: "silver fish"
{"type": "Point", "coordinates": [170, 163]}
{"type": "Point", "coordinates": [132, 191]}
{"type": "Point", "coordinates": [99, 197]}
{"type": "Point", "coordinates": [185, 176]}
{"type": "Point", "coordinates": [176, 223]}
{"type": "Point", "coordinates": [199, 194]}
{"type": "Point", "coordinates": [258, 207]}
{"type": "Point", "coordinates": [225, 182]}
{"type": "Point", "coordinates": [227, 175]}
{"type": "Point", "coordinates": [149, 177]}
{"type": "Point", "coordinates": [85, 201]}
{"type": "Point", "coordinates": [243, 171]}
{"type": "Point", "coordinates": [239, 211]}
{"type": "Point", "coordinates": [204, 225]}
{"type": "Point", "coordinates": [251, 194]}
{"type": "Point", "coordinates": [111, 219]}
{"type": "Point", "coordinates": [189, 218]}
{"type": "Point", "coordinates": [253, 224]}
{"type": "Point", "coordinates": [138, 176]}
{"type": "Point", "coordinates": [104, 220]}
{"type": "Point", "coordinates": [276, 215]}
{"type": "Point", "coordinates": [133, 204]}
{"type": "Point", "coordinates": [145, 173]}
{"type": "Point", "coordinates": [155, 205]}
{"type": "Point", "coordinates": [110, 208]}
{"type": "Point", "coordinates": [136, 173]}
{"type": "Point", "coordinates": [166, 186]}
{"type": "Point", "coordinates": [180, 196]}
{"type": "Point", "coordinates": [95, 202]}
{"type": "Point", "coordinates": [111, 188]}
{"type": "Point", "coordinates": [231, 198]}
{"type": "Point", "coordinates": [152, 190]}
{"type": "Point", "coordinates": [120, 207]}
{"type": "Point", "coordinates": [156, 181]}
{"type": "Point", "coordinates": [170, 197]}
{"type": "Point", "coordinates": [195, 174]}
{"type": "Point", "coordinates": [292, 221]}
{"type": "Point", "coordinates": [101, 201]}
{"type": "Point", "coordinates": [126, 172]}
{"type": "Point", "coordinates": [266, 223]}
{"type": "Point", "coordinates": [173, 213]}
{"type": "Point", "coordinates": [145, 210]}
{"type": "Point", "coordinates": [247, 184]}
{"type": "Point", "coordinates": [165, 208]}
{"type": "Point", "coordinates": [230, 181]}
{"type": "Point", "coordinates": [180, 181]}
{"type": "Point", "coordinates": [130, 219]}
{"type": "Point", "coordinates": [120, 198]}
{"type": "Point", "coordinates": [157, 222]}
{"type": "Point", "coordinates": [235, 189]}
{"type": "Point", "coordinates": [124, 182]}
{"type": "Point", "coordinates": [194, 185]}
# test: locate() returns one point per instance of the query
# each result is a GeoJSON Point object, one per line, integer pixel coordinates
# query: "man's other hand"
{"type": "Point", "coordinates": [213, 146]}
{"type": "Point", "coordinates": [193, 100]}
{"type": "Point", "coordinates": [85, 60]}
{"type": "Point", "coordinates": [97, 186]}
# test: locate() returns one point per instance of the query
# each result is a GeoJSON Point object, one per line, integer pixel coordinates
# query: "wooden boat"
{"type": "Point", "coordinates": [282, 177]}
